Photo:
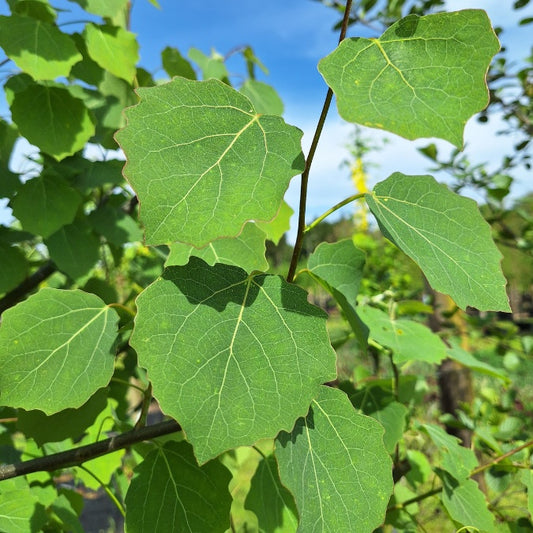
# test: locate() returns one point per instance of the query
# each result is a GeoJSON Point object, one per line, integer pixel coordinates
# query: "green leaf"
{"type": "Point", "coordinates": [424, 77]}
{"type": "Point", "coordinates": [170, 492]}
{"type": "Point", "coordinates": [115, 49]}
{"type": "Point", "coordinates": [203, 162]}
{"type": "Point", "coordinates": [115, 225]}
{"type": "Point", "coordinates": [38, 9]}
{"type": "Point", "coordinates": [13, 267]}
{"type": "Point", "coordinates": [211, 67]}
{"type": "Point", "coordinates": [456, 459]}
{"type": "Point", "coordinates": [59, 124]}
{"type": "Point", "coordinates": [275, 229]}
{"type": "Point", "coordinates": [44, 204]}
{"type": "Point", "coordinates": [62, 509]}
{"type": "Point", "coordinates": [37, 47]}
{"type": "Point", "coordinates": [446, 235]}
{"type": "Point", "coordinates": [466, 504]}
{"type": "Point", "coordinates": [467, 359]}
{"type": "Point", "coordinates": [56, 350]}
{"type": "Point", "coordinates": [264, 97]}
{"type": "Point", "coordinates": [176, 65]}
{"type": "Point", "coordinates": [103, 8]}
{"type": "Point", "coordinates": [527, 479]}
{"type": "Point", "coordinates": [335, 464]}
{"type": "Point", "coordinates": [60, 426]}
{"type": "Point", "coordinates": [17, 504]}
{"type": "Point", "coordinates": [271, 502]}
{"type": "Point", "coordinates": [408, 340]}
{"type": "Point", "coordinates": [246, 251]}
{"type": "Point", "coordinates": [75, 250]}
{"type": "Point", "coordinates": [232, 357]}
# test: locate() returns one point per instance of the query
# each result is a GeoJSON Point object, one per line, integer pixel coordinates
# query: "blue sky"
{"type": "Point", "coordinates": [290, 37]}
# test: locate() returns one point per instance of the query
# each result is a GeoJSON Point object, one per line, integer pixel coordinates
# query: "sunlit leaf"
{"type": "Point", "coordinates": [264, 97]}
{"type": "Point", "coordinates": [104, 8]}
{"type": "Point", "coordinates": [203, 162]}
{"type": "Point", "coordinates": [232, 357]}
{"type": "Point", "coordinates": [335, 464]}
{"type": "Point", "coordinates": [56, 350]}
{"type": "Point", "coordinates": [446, 235]}
{"type": "Point", "coordinates": [424, 77]}
{"type": "Point", "coordinates": [275, 229]}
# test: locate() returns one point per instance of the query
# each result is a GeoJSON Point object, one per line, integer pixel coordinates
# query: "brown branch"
{"type": "Point", "coordinates": [77, 456]}
{"type": "Point", "coordinates": [31, 282]}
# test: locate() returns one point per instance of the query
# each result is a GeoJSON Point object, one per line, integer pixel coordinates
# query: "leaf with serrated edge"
{"type": "Point", "coordinates": [246, 251]}
{"type": "Point", "coordinates": [171, 493]}
{"type": "Point", "coordinates": [56, 350]}
{"type": "Point", "coordinates": [408, 340]}
{"type": "Point", "coordinates": [424, 77]}
{"type": "Point", "coordinates": [335, 464]}
{"type": "Point", "coordinates": [203, 162]}
{"type": "Point", "coordinates": [232, 357]}
{"type": "Point", "coordinates": [447, 237]}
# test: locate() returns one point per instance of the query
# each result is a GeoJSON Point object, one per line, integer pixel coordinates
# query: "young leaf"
{"type": "Point", "coordinates": [408, 340]}
{"type": "Point", "coordinates": [59, 124]}
{"type": "Point", "coordinates": [264, 97]}
{"type": "Point", "coordinates": [232, 357]}
{"type": "Point", "coordinates": [246, 251]}
{"type": "Point", "coordinates": [203, 162]}
{"type": "Point", "coordinates": [104, 8]}
{"type": "Point", "coordinates": [424, 77]}
{"type": "Point", "coordinates": [176, 65]}
{"type": "Point", "coordinates": [446, 235]}
{"type": "Point", "coordinates": [271, 502]}
{"type": "Point", "coordinates": [13, 267]}
{"type": "Point", "coordinates": [211, 67]}
{"type": "Point", "coordinates": [56, 350]}
{"type": "Point", "coordinates": [335, 464]}
{"type": "Point", "coordinates": [37, 47]}
{"type": "Point", "coordinates": [170, 492]}
{"type": "Point", "coordinates": [275, 229]}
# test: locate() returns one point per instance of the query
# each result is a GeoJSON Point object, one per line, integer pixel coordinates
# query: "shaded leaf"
{"type": "Point", "coordinates": [56, 350]}
{"type": "Point", "coordinates": [335, 464]}
{"type": "Point", "coordinates": [446, 235]}
{"type": "Point", "coordinates": [467, 359]}
{"type": "Point", "coordinates": [13, 267]}
{"type": "Point", "coordinates": [17, 504]}
{"type": "Point", "coordinates": [37, 47]}
{"type": "Point", "coordinates": [246, 251]}
{"type": "Point", "coordinates": [44, 204]}
{"type": "Point", "coordinates": [408, 340]}
{"type": "Point", "coordinates": [203, 162]}
{"type": "Point", "coordinates": [170, 492]}
{"type": "Point", "coordinates": [424, 77]}
{"type": "Point", "coordinates": [38, 9]}
{"type": "Point", "coordinates": [115, 49]}
{"type": "Point", "coordinates": [211, 66]}
{"type": "Point", "coordinates": [232, 357]}
{"type": "Point", "coordinates": [271, 502]}
{"type": "Point", "coordinates": [264, 97]}
{"type": "Point", "coordinates": [59, 123]}
{"type": "Point", "coordinates": [176, 65]}
{"type": "Point", "coordinates": [115, 225]}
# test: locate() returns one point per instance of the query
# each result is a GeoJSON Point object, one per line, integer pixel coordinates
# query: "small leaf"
{"type": "Point", "coordinates": [424, 77]}
{"type": "Point", "coordinates": [211, 67]}
{"type": "Point", "coordinates": [13, 267]}
{"type": "Point", "coordinates": [103, 8]}
{"type": "Point", "coordinates": [271, 502]}
{"type": "Point", "coordinates": [335, 464]}
{"type": "Point", "coordinates": [176, 65]}
{"type": "Point", "coordinates": [233, 358]}
{"type": "Point", "coordinates": [467, 359]}
{"type": "Point", "coordinates": [18, 503]}
{"type": "Point", "coordinates": [276, 228]}
{"type": "Point", "coordinates": [37, 47]}
{"type": "Point", "coordinates": [408, 340]}
{"type": "Point", "coordinates": [59, 123]}
{"type": "Point", "coordinates": [264, 97]}
{"type": "Point", "coordinates": [56, 350]}
{"type": "Point", "coordinates": [115, 225]}
{"type": "Point", "coordinates": [44, 204]}
{"type": "Point", "coordinates": [203, 162]}
{"type": "Point", "coordinates": [113, 48]}
{"type": "Point", "coordinates": [170, 492]}
{"type": "Point", "coordinates": [446, 235]}
{"type": "Point", "coordinates": [246, 251]}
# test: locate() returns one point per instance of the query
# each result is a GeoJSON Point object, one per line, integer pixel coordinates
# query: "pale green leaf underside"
{"type": "Point", "coordinates": [171, 493]}
{"type": "Point", "coordinates": [408, 340]}
{"type": "Point", "coordinates": [203, 162]}
{"type": "Point", "coordinates": [233, 358]}
{"type": "Point", "coordinates": [447, 237]}
{"type": "Point", "coordinates": [424, 77]}
{"type": "Point", "coordinates": [37, 47]}
{"type": "Point", "coordinates": [56, 350]}
{"type": "Point", "coordinates": [335, 464]}
{"type": "Point", "coordinates": [246, 251]}
{"type": "Point", "coordinates": [276, 228]}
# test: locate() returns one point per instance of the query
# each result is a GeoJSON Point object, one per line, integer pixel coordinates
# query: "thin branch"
{"type": "Point", "coordinates": [77, 456]}
{"type": "Point", "coordinates": [30, 283]}
{"type": "Point", "coordinates": [309, 161]}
